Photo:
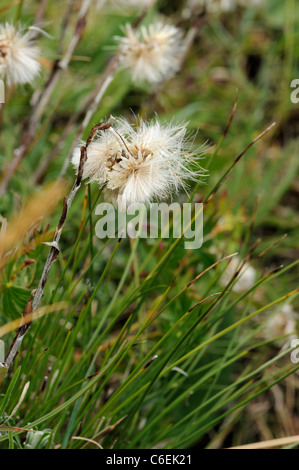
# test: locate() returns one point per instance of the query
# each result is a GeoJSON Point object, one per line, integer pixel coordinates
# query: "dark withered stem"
{"type": "Point", "coordinates": [43, 99]}
{"type": "Point", "coordinates": [54, 252]}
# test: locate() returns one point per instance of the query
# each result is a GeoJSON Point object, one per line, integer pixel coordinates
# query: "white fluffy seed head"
{"type": "Point", "coordinates": [143, 164]}
{"type": "Point", "coordinates": [282, 323]}
{"type": "Point", "coordinates": [152, 54]}
{"type": "Point", "coordinates": [19, 57]}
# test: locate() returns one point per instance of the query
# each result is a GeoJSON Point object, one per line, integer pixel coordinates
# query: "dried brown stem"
{"type": "Point", "coordinates": [44, 98]}
{"type": "Point", "coordinates": [87, 110]}
{"type": "Point", "coordinates": [41, 12]}
{"type": "Point", "coordinates": [91, 106]}
{"type": "Point", "coordinates": [54, 252]}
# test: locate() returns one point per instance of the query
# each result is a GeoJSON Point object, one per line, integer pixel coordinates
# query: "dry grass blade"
{"type": "Point", "coordinates": [110, 428]}
{"type": "Point", "coordinates": [20, 401]}
{"type": "Point", "coordinates": [9, 5]}
{"type": "Point", "coordinates": [280, 442]}
{"type": "Point", "coordinates": [91, 441]}
{"type": "Point", "coordinates": [228, 172]}
{"type": "Point", "coordinates": [19, 322]}
{"type": "Point", "coordinates": [210, 267]}
{"type": "Point", "coordinates": [54, 252]}
{"type": "Point", "coordinates": [39, 207]}
{"type": "Point", "coordinates": [231, 117]}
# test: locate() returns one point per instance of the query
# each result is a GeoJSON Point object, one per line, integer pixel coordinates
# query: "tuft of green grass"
{"type": "Point", "coordinates": [149, 347]}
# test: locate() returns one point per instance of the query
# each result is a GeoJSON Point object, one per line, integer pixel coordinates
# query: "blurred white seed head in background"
{"type": "Point", "coordinates": [246, 278]}
{"type": "Point", "coordinates": [19, 57]}
{"type": "Point", "coordinates": [152, 54]}
{"type": "Point", "coordinates": [282, 323]}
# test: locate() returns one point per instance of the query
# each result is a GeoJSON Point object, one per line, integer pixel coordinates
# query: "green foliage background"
{"type": "Point", "coordinates": [131, 301]}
